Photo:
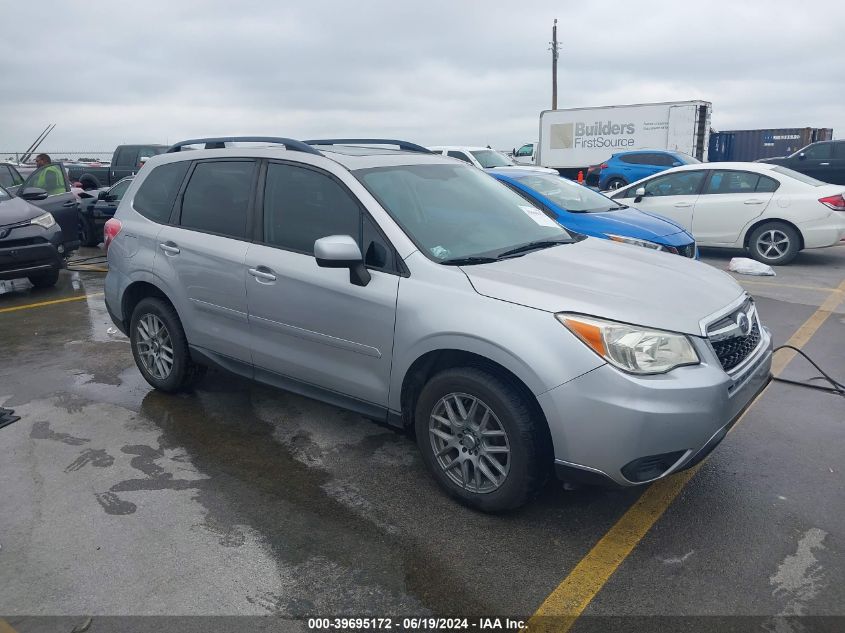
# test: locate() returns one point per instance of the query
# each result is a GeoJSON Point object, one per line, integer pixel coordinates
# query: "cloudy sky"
{"type": "Point", "coordinates": [434, 72]}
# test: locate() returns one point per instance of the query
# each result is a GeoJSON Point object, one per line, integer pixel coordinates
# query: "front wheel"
{"type": "Point", "coordinates": [88, 232]}
{"type": "Point", "coordinates": [160, 347]}
{"type": "Point", "coordinates": [480, 439]}
{"type": "Point", "coordinates": [774, 243]}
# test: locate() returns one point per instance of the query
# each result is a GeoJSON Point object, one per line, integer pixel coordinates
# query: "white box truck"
{"type": "Point", "coordinates": [573, 139]}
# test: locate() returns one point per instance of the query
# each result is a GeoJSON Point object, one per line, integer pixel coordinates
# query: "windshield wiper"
{"type": "Point", "coordinates": [532, 246]}
{"type": "Point", "coordinates": [468, 261]}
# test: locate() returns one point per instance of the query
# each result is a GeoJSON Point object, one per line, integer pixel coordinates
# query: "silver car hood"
{"type": "Point", "coordinates": [620, 282]}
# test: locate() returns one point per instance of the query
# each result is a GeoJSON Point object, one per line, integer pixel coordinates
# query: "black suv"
{"type": "Point", "coordinates": [824, 160]}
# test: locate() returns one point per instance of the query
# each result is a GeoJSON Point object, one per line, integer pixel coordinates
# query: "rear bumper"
{"type": "Point", "coordinates": [826, 232]}
{"type": "Point", "coordinates": [614, 428]}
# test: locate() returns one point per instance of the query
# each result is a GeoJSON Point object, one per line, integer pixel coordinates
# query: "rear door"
{"type": "Point", "coordinates": [671, 195]}
{"type": "Point", "coordinates": [202, 251]}
{"type": "Point", "coordinates": [59, 201]}
{"type": "Point", "coordinates": [817, 161]}
{"type": "Point", "coordinates": [730, 200]}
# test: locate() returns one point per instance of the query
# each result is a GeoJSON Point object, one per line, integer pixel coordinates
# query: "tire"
{"type": "Point", "coordinates": [522, 468]}
{"type": "Point", "coordinates": [45, 280]}
{"type": "Point", "coordinates": [774, 243]}
{"type": "Point", "coordinates": [89, 181]}
{"type": "Point", "coordinates": [87, 232]}
{"type": "Point", "coordinates": [615, 183]}
{"type": "Point", "coordinates": [178, 374]}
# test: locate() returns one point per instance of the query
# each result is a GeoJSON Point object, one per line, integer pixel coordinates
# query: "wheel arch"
{"type": "Point", "coordinates": [435, 361]}
{"type": "Point", "coordinates": [746, 240]}
{"type": "Point", "coordinates": [134, 293]}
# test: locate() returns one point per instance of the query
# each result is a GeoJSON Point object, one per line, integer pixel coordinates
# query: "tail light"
{"type": "Point", "coordinates": [837, 203]}
{"type": "Point", "coordinates": [110, 231]}
{"type": "Point", "coordinates": [603, 166]}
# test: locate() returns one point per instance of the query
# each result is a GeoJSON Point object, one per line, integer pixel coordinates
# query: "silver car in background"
{"type": "Point", "coordinates": [421, 292]}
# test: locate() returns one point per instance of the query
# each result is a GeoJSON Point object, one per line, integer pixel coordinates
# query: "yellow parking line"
{"type": "Point", "coordinates": [796, 286]}
{"type": "Point", "coordinates": [565, 604]}
{"type": "Point", "coordinates": [41, 304]}
{"type": "Point", "coordinates": [5, 627]}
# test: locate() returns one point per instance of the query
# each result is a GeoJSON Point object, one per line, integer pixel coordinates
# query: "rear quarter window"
{"type": "Point", "coordinates": [155, 197]}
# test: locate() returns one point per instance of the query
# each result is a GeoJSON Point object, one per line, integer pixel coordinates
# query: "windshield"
{"type": "Point", "coordinates": [491, 158]}
{"type": "Point", "coordinates": [807, 180]}
{"type": "Point", "coordinates": [456, 211]}
{"type": "Point", "coordinates": [569, 195]}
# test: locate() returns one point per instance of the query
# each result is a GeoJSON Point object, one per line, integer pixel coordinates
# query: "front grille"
{"type": "Point", "coordinates": [26, 241]}
{"type": "Point", "coordinates": [732, 351]}
{"type": "Point", "coordinates": [687, 251]}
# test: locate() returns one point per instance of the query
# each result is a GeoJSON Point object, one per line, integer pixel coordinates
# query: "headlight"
{"type": "Point", "coordinates": [631, 348]}
{"type": "Point", "coordinates": [45, 220]}
{"type": "Point", "coordinates": [632, 240]}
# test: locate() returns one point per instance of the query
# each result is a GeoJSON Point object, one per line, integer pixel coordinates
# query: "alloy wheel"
{"type": "Point", "coordinates": [155, 348]}
{"type": "Point", "coordinates": [469, 443]}
{"type": "Point", "coordinates": [772, 244]}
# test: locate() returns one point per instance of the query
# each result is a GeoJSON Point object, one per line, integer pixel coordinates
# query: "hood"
{"type": "Point", "coordinates": [632, 222]}
{"type": "Point", "coordinates": [16, 210]}
{"type": "Point", "coordinates": [613, 281]}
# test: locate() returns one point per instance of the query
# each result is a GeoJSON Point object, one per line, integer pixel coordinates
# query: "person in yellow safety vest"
{"type": "Point", "coordinates": [51, 179]}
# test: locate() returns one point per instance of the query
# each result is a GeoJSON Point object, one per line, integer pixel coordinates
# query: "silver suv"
{"type": "Point", "coordinates": [421, 292]}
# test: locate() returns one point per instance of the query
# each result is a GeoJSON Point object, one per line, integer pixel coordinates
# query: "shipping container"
{"type": "Point", "coordinates": [751, 145]}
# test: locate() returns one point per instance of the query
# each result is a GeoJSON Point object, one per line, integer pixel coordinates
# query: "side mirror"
{"type": "Point", "coordinates": [341, 251]}
{"type": "Point", "coordinates": [639, 194]}
{"type": "Point", "coordinates": [802, 156]}
{"type": "Point", "coordinates": [101, 195]}
{"type": "Point", "coordinates": [34, 193]}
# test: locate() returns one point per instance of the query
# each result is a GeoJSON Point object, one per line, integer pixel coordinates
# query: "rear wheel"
{"type": "Point", "coordinates": [615, 183]}
{"type": "Point", "coordinates": [160, 347]}
{"type": "Point", "coordinates": [774, 243]}
{"type": "Point", "coordinates": [45, 280]}
{"type": "Point", "coordinates": [480, 439]}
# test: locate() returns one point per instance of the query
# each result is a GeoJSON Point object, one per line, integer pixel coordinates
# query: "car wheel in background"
{"type": "Point", "coordinates": [45, 280]}
{"type": "Point", "coordinates": [89, 181]}
{"type": "Point", "coordinates": [480, 439]}
{"type": "Point", "coordinates": [160, 347]}
{"type": "Point", "coordinates": [88, 232]}
{"type": "Point", "coordinates": [615, 183]}
{"type": "Point", "coordinates": [774, 243]}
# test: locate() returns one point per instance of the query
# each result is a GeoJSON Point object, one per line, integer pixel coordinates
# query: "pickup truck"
{"type": "Point", "coordinates": [126, 161]}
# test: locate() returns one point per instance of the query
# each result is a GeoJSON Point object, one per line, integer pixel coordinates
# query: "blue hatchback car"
{"type": "Point", "coordinates": [624, 168]}
{"type": "Point", "coordinates": [588, 212]}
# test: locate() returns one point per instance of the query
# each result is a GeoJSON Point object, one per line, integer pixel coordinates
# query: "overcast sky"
{"type": "Point", "coordinates": [453, 72]}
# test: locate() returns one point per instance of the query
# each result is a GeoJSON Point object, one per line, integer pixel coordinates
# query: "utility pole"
{"type": "Point", "coordinates": [554, 48]}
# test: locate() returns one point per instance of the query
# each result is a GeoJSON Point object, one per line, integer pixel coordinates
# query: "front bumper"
{"type": "Point", "coordinates": [616, 428]}
{"type": "Point", "coordinates": [30, 250]}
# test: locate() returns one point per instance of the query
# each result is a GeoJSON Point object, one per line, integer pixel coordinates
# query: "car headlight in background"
{"type": "Point", "coordinates": [45, 220]}
{"type": "Point", "coordinates": [632, 348]}
{"type": "Point", "coordinates": [632, 240]}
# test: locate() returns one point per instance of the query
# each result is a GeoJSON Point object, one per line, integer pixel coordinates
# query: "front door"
{"type": "Point", "coordinates": [203, 254]}
{"type": "Point", "coordinates": [671, 195]}
{"type": "Point", "coordinates": [310, 323]}
{"type": "Point", "coordinates": [730, 200]}
{"type": "Point", "coordinates": [816, 161]}
{"type": "Point", "coordinates": [59, 201]}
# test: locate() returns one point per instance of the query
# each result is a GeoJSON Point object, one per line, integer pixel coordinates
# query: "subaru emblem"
{"type": "Point", "coordinates": [743, 323]}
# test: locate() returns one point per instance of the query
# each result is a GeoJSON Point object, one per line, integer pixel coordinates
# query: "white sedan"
{"type": "Point", "coordinates": [772, 211]}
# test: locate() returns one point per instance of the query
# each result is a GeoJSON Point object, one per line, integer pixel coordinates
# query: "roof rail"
{"type": "Point", "coordinates": [403, 145]}
{"type": "Point", "coordinates": [220, 143]}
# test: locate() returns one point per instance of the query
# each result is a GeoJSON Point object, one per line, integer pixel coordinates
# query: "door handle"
{"type": "Point", "coordinates": [170, 248]}
{"type": "Point", "coordinates": [824, 164]}
{"type": "Point", "coordinates": [682, 205]}
{"type": "Point", "coordinates": [753, 201]}
{"type": "Point", "coordinates": [260, 275]}
{"type": "Point", "coordinates": [70, 203]}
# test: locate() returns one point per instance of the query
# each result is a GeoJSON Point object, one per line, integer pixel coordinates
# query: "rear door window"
{"type": "Point", "coordinates": [154, 199]}
{"type": "Point", "coordinates": [217, 198]}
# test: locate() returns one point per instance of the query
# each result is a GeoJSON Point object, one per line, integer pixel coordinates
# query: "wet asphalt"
{"type": "Point", "coordinates": [239, 499]}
